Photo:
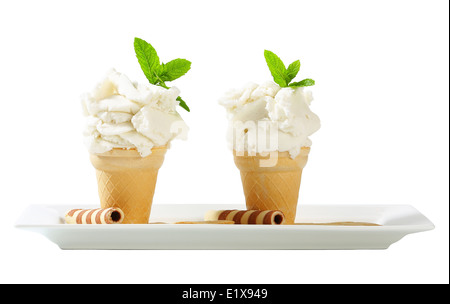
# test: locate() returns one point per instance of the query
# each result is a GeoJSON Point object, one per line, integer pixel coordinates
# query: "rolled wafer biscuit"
{"type": "Point", "coordinates": [206, 222]}
{"type": "Point", "coordinates": [258, 217]}
{"type": "Point", "coordinates": [94, 216]}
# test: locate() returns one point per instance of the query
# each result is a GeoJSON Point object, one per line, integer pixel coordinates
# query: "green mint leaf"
{"type": "Point", "coordinates": [293, 70]}
{"type": "Point", "coordinates": [183, 104]}
{"type": "Point", "coordinates": [175, 69]}
{"type": "Point", "coordinates": [304, 83]}
{"type": "Point", "coordinates": [277, 68]}
{"type": "Point", "coordinates": [148, 59]}
{"type": "Point", "coordinates": [158, 73]}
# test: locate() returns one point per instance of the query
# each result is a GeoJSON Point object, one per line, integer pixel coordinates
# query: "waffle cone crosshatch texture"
{"type": "Point", "coordinates": [127, 181]}
{"type": "Point", "coordinates": [272, 188]}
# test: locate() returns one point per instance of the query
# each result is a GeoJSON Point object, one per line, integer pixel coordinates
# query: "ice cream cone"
{"type": "Point", "coordinates": [127, 181]}
{"type": "Point", "coordinates": [275, 187]}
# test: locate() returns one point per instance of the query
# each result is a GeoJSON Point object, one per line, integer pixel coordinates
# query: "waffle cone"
{"type": "Point", "coordinates": [274, 187]}
{"type": "Point", "coordinates": [127, 181]}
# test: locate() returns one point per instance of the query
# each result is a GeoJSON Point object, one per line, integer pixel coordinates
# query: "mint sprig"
{"type": "Point", "coordinates": [159, 73]}
{"type": "Point", "coordinates": [282, 75]}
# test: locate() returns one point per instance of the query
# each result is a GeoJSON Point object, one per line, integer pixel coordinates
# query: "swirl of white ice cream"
{"type": "Point", "coordinates": [265, 118]}
{"type": "Point", "coordinates": [123, 114]}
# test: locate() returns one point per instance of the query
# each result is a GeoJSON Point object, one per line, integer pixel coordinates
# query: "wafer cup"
{"type": "Point", "coordinates": [127, 181]}
{"type": "Point", "coordinates": [272, 188]}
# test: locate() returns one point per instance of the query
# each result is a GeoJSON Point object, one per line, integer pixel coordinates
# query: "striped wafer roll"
{"type": "Point", "coordinates": [258, 217]}
{"type": "Point", "coordinates": [94, 216]}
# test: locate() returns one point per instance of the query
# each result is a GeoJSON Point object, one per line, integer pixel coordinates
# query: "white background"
{"type": "Point", "coordinates": [381, 69]}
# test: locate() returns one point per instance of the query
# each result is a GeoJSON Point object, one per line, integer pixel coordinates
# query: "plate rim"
{"type": "Point", "coordinates": [413, 228]}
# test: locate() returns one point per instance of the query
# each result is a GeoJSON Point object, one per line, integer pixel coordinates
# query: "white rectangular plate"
{"type": "Point", "coordinates": [396, 221]}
